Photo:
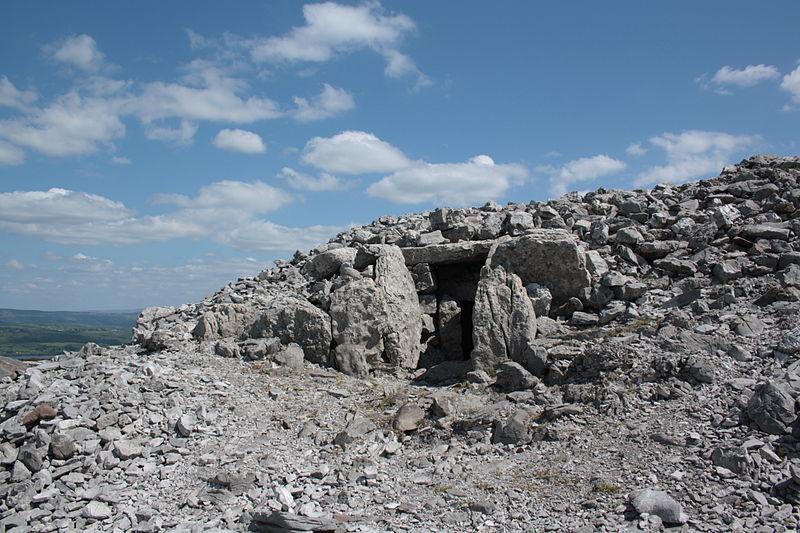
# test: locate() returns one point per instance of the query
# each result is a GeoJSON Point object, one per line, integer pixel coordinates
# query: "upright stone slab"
{"type": "Point", "coordinates": [403, 314]}
{"type": "Point", "coordinates": [503, 320]}
{"type": "Point", "coordinates": [358, 316]}
{"type": "Point", "coordinates": [547, 257]}
{"type": "Point", "coordinates": [450, 328]}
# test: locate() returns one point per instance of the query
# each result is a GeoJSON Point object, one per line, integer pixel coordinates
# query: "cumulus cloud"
{"type": "Point", "coordinates": [747, 77]}
{"type": "Point", "coordinates": [353, 152]}
{"type": "Point", "coordinates": [71, 125]}
{"type": "Point", "coordinates": [58, 206]}
{"type": "Point", "coordinates": [265, 236]}
{"type": "Point", "coordinates": [581, 170]}
{"type": "Point", "coordinates": [10, 154]}
{"type": "Point", "coordinates": [121, 160]}
{"type": "Point", "coordinates": [330, 102]}
{"type": "Point", "coordinates": [10, 96]}
{"type": "Point", "coordinates": [635, 149]}
{"type": "Point", "coordinates": [217, 99]}
{"type": "Point", "coordinates": [791, 84]}
{"type": "Point", "coordinates": [304, 182]}
{"type": "Point", "coordinates": [331, 29]}
{"type": "Point", "coordinates": [71, 217]}
{"type": "Point", "coordinates": [238, 140]}
{"type": "Point", "coordinates": [13, 264]}
{"type": "Point", "coordinates": [694, 154]}
{"type": "Point", "coordinates": [77, 51]}
{"type": "Point", "coordinates": [476, 181]}
{"type": "Point", "coordinates": [183, 135]}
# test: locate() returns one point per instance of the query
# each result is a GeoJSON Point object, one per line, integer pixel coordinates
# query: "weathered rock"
{"type": "Point", "coordinates": [449, 328]}
{"type": "Point", "coordinates": [403, 314]}
{"type": "Point", "coordinates": [659, 503]}
{"type": "Point", "coordinates": [293, 319]}
{"type": "Point", "coordinates": [62, 446]}
{"type": "Point", "coordinates": [328, 263]}
{"type": "Point", "coordinates": [290, 357]}
{"type": "Point", "coordinates": [351, 359]}
{"type": "Point", "coordinates": [547, 257]}
{"type": "Point", "coordinates": [514, 430]}
{"type": "Point", "coordinates": [408, 418]}
{"type": "Point", "coordinates": [504, 324]}
{"type": "Point", "coordinates": [511, 376]}
{"type": "Point", "coordinates": [771, 408]}
{"type": "Point", "coordinates": [436, 254]}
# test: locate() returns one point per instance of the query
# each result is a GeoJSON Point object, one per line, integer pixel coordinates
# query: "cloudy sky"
{"type": "Point", "coordinates": [152, 151]}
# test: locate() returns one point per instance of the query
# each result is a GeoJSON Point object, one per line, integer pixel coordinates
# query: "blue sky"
{"type": "Point", "coordinates": [152, 151]}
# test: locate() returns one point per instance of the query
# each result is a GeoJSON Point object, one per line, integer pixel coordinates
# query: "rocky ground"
{"type": "Point", "coordinates": [656, 389]}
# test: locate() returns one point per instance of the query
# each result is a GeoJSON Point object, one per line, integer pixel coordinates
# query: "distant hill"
{"type": "Point", "coordinates": [117, 319]}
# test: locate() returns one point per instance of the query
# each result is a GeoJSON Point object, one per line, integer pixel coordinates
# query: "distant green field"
{"type": "Point", "coordinates": [43, 340]}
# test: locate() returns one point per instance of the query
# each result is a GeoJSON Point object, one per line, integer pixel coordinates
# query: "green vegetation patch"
{"type": "Point", "coordinates": [45, 340]}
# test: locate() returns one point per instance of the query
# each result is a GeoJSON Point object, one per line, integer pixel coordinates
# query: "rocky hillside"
{"type": "Point", "coordinates": [619, 360]}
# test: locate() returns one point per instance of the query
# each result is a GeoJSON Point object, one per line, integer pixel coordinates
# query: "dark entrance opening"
{"type": "Point", "coordinates": [466, 329]}
{"type": "Point", "coordinates": [457, 284]}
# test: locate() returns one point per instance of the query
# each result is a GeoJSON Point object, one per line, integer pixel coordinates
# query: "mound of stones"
{"type": "Point", "coordinates": [606, 361]}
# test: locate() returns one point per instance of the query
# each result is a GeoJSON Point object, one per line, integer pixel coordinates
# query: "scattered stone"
{"type": "Point", "coordinates": [658, 503]}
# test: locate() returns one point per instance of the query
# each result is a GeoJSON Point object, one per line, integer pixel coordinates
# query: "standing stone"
{"type": "Point", "coordinates": [351, 360]}
{"type": "Point", "coordinates": [357, 314]}
{"type": "Point", "coordinates": [504, 323]}
{"type": "Point", "coordinates": [450, 329]}
{"type": "Point", "coordinates": [403, 314]}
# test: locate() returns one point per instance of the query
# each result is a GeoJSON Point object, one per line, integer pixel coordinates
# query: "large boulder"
{"type": "Point", "coordinates": [293, 319]}
{"type": "Point", "coordinates": [288, 317]}
{"type": "Point", "coordinates": [381, 316]}
{"type": "Point", "coordinates": [225, 321]}
{"type": "Point", "coordinates": [504, 323]}
{"type": "Point", "coordinates": [403, 314]}
{"type": "Point", "coordinates": [328, 263]}
{"type": "Point", "coordinates": [358, 316]}
{"type": "Point", "coordinates": [548, 257]}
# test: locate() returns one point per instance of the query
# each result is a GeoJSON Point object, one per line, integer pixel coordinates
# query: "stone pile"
{"type": "Point", "coordinates": [619, 360]}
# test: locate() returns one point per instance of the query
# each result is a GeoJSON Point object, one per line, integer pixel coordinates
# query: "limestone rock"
{"type": "Point", "coordinates": [293, 319]}
{"type": "Point", "coordinates": [659, 503]}
{"type": "Point", "coordinates": [771, 408]}
{"type": "Point", "coordinates": [504, 323]}
{"type": "Point", "coordinates": [547, 257]}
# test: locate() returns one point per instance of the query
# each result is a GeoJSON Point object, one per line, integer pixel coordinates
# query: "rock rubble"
{"type": "Point", "coordinates": [613, 361]}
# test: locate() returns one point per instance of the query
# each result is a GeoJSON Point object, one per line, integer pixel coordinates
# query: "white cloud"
{"type": "Point", "coordinates": [121, 160]}
{"type": "Point", "coordinates": [71, 125]}
{"type": "Point", "coordinates": [77, 51]}
{"type": "Point", "coordinates": [747, 77]}
{"type": "Point", "coordinates": [211, 96]}
{"type": "Point", "coordinates": [791, 84]}
{"type": "Point", "coordinates": [10, 96]}
{"type": "Point", "coordinates": [304, 182]}
{"type": "Point", "coordinates": [583, 169]}
{"type": "Point", "coordinates": [233, 198]}
{"type": "Point", "coordinates": [265, 236]}
{"type": "Point", "coordinates": [81, 262]}
{"type": "Point", "coordinates": [332, 29]}
{"type": "Point", "coordinates": [13, 264]}
{"type": "Point", "coordinates": [353, 152]}
{"type": "Point", "coordinates": [58, 207]}
{"type": "Point", "coordinates": [475, 181]}
{"type": "Point", "coordinates": [693, 154]}
{"type": "Point", "coordinates": [240, 141]}
{"type": "Point", "coordinates": [635, 149]}
{"type": "Point", "coordinates": [330, 102]}
{"type": "Point", "coordinates": [181, 136]}
{"type": "Point", "coordinates": [70, 217]}
{"type": "Point", "coordinates": [10, 154]}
